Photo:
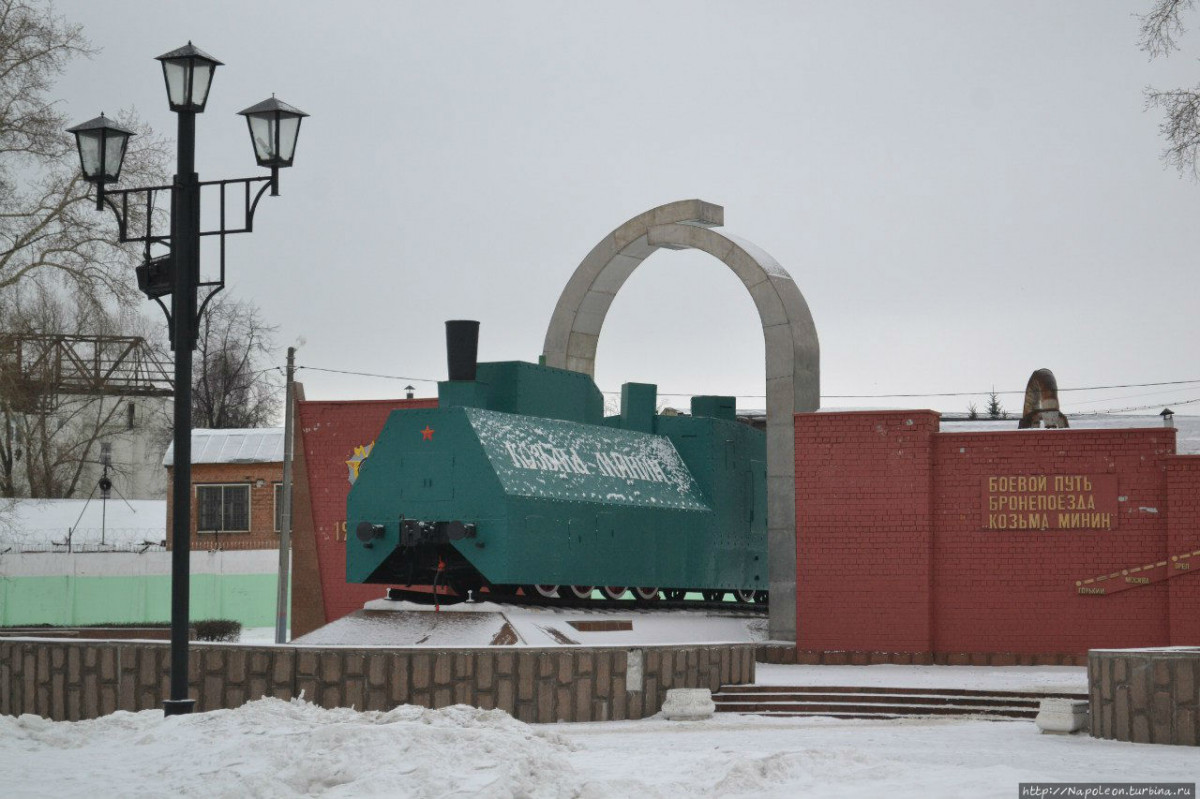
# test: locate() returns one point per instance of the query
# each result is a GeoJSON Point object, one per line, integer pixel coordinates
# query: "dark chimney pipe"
{"type": "Point", "coordinates": [462, 348]}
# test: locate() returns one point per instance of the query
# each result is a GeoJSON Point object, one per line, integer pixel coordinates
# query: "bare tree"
{"type": "Point", "coordinates": [48, 442]}
{"type": "Point", "coordinates": [48, 225]}
{"type": "Point", "coordinates": [234, 384]}
{"type": "Point", "coordinates": [1161, 28]}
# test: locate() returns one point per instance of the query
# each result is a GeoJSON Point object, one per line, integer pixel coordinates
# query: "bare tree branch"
{"type": "Point", "coordinates": [46, 446]}
{"type": "Point", "coordinates": [1161, 27]}
{"type": "Point", "coordinates": [48, 224]}
{"type": "Point", "coordinates": [1180, 126]}
{"type": "Point", "coordinates": [232, 384]}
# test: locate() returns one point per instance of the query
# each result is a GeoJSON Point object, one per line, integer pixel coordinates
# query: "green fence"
{"type": "Point", "coordinates": [80, 589]}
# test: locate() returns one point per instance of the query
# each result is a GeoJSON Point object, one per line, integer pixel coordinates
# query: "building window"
{"type": "Point", "coordinates": [130, 421]}
{"type": "Point", "coordinates": [278, 507]}
{"type": "Point", "coordinates": [223, 508]}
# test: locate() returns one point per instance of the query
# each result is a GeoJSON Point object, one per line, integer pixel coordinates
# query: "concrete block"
{"type": "Point", "coordinates": [545, 704]}
{"type": "Point", "coordinates": [562, 703]}
{"type": "Point", "coordinates": [1062, 716]}
{"type": "Point", "coordinates": [633, 670]}
{"type": "Point", "coordinates": [582, 345]}
{"type": "Point", "coordinates": [583, 699]}
{"type": "Point", "coordinates": [353, 694]}
{"type": "Point", "coordinates": [422, 672]}
{"type": "Point", "coordinates": [377, 669]}
{"type": "Point", "coordinates": [688, 704]}
{"type": "Point", "coordinates": [331, 667]}
{"type": "Point", "coordinates": [505, 697]}
{"type": "Point", "coordinates": [442, 668]}
{"type": "Point", "coordinates": [484, 669]}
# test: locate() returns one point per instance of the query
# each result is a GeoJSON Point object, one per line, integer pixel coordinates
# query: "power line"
{"type": "Point", "coordinates": [941, 394]}
{"type": "Point", "coordinates": [367, 374]}
{"type": "Point", "coordinates": [1134, 408]}
{"type": "Point", "coordinates": [823, 396]}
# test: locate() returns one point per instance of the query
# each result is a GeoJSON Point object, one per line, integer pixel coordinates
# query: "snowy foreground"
{"type": "Point", "coordinates": [274, 748]}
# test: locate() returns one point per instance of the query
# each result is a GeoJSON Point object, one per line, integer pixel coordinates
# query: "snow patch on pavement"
{"type": "Point", "coordinates": [1046, 679]}
{"type": "Point", "coordinates": [274, 748]}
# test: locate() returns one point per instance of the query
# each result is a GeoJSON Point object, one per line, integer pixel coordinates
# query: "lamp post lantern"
{"type": "Point", "coordinates": [274, 126]}
{"type": "Point", "coordinates": [188, 73]}
{"type": "Point", "coordinates": [101, 144]}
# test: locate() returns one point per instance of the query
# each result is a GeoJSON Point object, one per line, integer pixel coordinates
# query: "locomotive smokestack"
{"type": "Point", "coordinates": [462, 348]}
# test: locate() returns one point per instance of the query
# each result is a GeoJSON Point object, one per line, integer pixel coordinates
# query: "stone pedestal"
{"type": "Point", "coordinates": [1062, 716]}
{"type": "Point", "coordinates": [1147, 696]}
{"type": "Point", "coordinates": [688, 704]}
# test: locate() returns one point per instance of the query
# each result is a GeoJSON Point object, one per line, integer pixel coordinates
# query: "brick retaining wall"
{"type": "Point", "coordinates": [72, 680]}
{"type": "Point", "coordinates": [1145, 696]}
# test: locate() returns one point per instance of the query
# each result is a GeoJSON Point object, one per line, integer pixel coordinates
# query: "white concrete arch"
{"type": "Point", "coordinates": [792, 351]}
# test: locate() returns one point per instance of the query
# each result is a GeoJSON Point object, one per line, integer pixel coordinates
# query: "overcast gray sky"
{"type": "Point", "coordinates": [963, 191]}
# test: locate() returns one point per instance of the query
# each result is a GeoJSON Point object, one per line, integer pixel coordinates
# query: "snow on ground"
{"type": "Point", "coordinates": [1045, 679]}
{"type": "Point", "coordinates": [259, 636]}
{"type": "Point", "coordinates": [272, 748]}
{"type": "Point", "coordinates": [384, 622]}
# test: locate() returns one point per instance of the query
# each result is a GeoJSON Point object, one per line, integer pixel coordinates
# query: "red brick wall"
{"type": "Point", "coordinates": [262, 533]}
{"type": "Point", "coordinates": [893, 555]}
{"type": "Point", "coordinates": [1015, 590]}
{"type": "Point", "coordinates": [326, 435]}
{"type": "Point", "coordinates": [863, 529]}
{"type": "Point", "coordinates": [1183, 536]}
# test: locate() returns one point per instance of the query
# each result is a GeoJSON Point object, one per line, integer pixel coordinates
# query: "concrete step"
{"type": "Point", "coordinates": [883, 703]}
{"type": "Point", "coordinates": [891, 708]}
{"type": "Point", "coordinates": [923, 700]}
{"type": "Point", "coordinates": [858, 689]}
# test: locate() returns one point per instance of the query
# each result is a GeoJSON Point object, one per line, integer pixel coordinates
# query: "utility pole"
{"type": "Point", "coordinates": [285, 522]}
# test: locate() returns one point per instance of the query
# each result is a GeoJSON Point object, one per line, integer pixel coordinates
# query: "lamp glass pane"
{"type": "Point", "coordinates": [202, 74]}
{"type": "Point", "coordinates": [176, 73]}
{"type": "Point", "coordinates": [262, 132]}
{"type": "Point", "coordinates": [89, 152]}
{"type": "Point", "coordinates": [114, 154]}
{"type": "Point", "coordinates": [289, 129]}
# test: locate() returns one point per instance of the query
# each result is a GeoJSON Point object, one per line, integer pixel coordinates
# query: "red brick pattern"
{"type": "Point", "coordinates": [1015, 590]}
{"type": "Point", "coordinates": [326, 435]}
{"type": "Point", "coordinates": [863, 487]}
{"type": "Point", "coordinates": [893, 557]}
{"type": "Point", "coordinates": [1183, 535]}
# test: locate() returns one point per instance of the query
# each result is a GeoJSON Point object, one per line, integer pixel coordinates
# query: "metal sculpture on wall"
{"type": "Point", "coordinates": [1041, 403]}
{"type": "Point", "coordinates": [792, 351]}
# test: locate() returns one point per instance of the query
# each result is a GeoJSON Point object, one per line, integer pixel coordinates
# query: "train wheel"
{"type": "Point", "coordinates": [580, 591]}
{"type": "Point", "coordinates": [612, 591]}
{"type": "Point", "coordinates": [744, 595]}
{"type": "Point", "coordinates": [713, 595]}
{"type": "Point", "coordinates": [645, 594]}
{"type": "Point", "coordinates": [760, 597]}
{"type": "Point", "coordinates": [544, 591]}
{"type": "Point", "coordinates": [674, 594]}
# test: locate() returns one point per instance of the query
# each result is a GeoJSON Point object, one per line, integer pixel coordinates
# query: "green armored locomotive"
{"type": "Point", "coordinates": [518, 479]}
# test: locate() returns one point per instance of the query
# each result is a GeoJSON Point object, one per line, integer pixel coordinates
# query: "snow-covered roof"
{"type": "Point", "coordinates": [257, 445]}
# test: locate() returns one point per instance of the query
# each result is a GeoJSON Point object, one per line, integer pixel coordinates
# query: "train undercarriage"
{"type": "Point", "coordinates": [441, 573]}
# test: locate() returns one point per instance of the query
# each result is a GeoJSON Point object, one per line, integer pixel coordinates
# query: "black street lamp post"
{"type": "Point", "coordinates": [274, 127]}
